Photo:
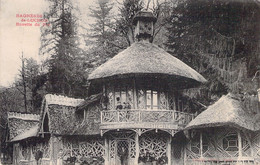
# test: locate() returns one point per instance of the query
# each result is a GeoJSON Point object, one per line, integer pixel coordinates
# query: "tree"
{"type": "Point", "coordinates": [124, 23]}
{"type": "Point", "coordinates": [60, 41]}
{"type": "Point", "coordinates": [103, 40]}
{"type": "Point", "coordinates": [28, 83]}
{"type": "Point", "coordinates": [219, 39]}
{"type": "Point", "coordinates": [129, 8]}
{"type": "Point", "coordinates": [101, 29]}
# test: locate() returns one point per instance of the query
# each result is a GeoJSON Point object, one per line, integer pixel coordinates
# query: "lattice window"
{"type": "Point", "coordinates": [256, 145]}
{"type": "Point", "coordinates": [25, 151]}
{"type": "Point", "coordinates": [122, 147]}
{"type": "Point", "coordinates": [154, 144]}
{"type": "Point", "coordinates": [110, 94]}
{"type": "Point", "coordinates": [163, 101]}
{"type": "Point", "coordinates": [35, 148]}
{"type": "Point", "coordinates": [126, 138]}
{"type": "Point", "coordinates": [225, 145]}
{"type": "Point", "coordinates": [195, 144]}
{"type": "Point", "coordinates": [195, 147]}
{"type": "Point", "coordinates": [246, 150]}
{"type": "Point", "coordinates": [230, 142]}
{"type": "Point", "coordinates": [67, 147]}
{"type": "Point", "coordinates": [130, 97]}
{"type": "Point", "coordinates": [172, 102]}
{"type": "Point", "coordinates": [141, 99]}
{"type": "Point", "coordinates": [45, 147]}
{"type": "Point", "coordinates": [112, 148]}
{"type": "Point", "coordinates": [132, 145]}
{"type": "Point", "coordinates": [93, 148]}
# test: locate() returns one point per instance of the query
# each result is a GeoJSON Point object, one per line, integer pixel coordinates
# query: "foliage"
{"type": "Point", "coordinates": [61, 42]}
{"type": "Point", "coordinates": [103, 40]}
{"type": "Point", "coordinates": [10, 100]}
{"type": "Point", "coordinates": [29, 84]}
{"type": "Point", "coordinates": [129, 8]}
{"type": "Point", "coordinates": [218, 39]}
{"type": "Point", "coordinates": [127, 11]}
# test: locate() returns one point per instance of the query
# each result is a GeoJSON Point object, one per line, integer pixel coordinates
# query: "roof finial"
{"type": "Point", "coordinates": [144, 25]}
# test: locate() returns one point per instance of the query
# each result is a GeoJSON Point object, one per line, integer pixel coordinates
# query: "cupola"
{"type": "Point", "coordinates": [144, 25]}
{"type": "Point", "coordinates": [144, 59]}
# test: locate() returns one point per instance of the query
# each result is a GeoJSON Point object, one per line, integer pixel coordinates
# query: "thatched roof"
{"type": "Point", "coordinates": [144, 15]}
{"type": "Point", "coordinates": [227, 111]}
{"type": "Point", "coordinates": [148, 59]}
{"type": "Point", "coordinates": [91, 99]}
{"type": "Point", "coordinates": [22, 126]}
{"type": "Point", "coordinates": [63, 118]}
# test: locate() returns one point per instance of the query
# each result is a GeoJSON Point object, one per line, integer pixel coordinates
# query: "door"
{"type": "Point", "coordinates": [120, 151]}
{"type": "Point", "coordinates": [122, 156]}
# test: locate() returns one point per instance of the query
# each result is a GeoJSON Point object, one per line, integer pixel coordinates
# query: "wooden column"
{"type": "Point", "coordinates": [247, 134]}
{"type": "Point", "coordinates": [184, 155]}
{"type": "Point", "coordinates": [201, 145]}
{"type": "Point", "coordinates": [239, 144]}
{"type": "Point", "coordinates": [137, 149]}
{"type": "Point", "coordinates": [51, 143]}
{"type": "Point", "coordinates": [169, 155]}
{"type": "Point", "coordinates": [106, 151]}
{"type": "Point", "coordinates": [135, 94]}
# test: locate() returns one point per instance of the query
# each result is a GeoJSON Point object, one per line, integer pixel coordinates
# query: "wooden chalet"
{"type": "Point", "coordinates": [134, 115]}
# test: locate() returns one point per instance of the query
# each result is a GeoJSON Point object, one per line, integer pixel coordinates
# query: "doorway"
{"type": "Point", "coordinates": [122, 152]}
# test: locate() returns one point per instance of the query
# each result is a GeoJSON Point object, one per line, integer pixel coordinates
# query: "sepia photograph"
{"type": "Point", "coordinates": [129, 82]}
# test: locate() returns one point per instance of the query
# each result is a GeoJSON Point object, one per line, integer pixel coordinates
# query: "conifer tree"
{"type": "Point", "coordinates": [103, 40]}
{"type": "Point", "coordinates": [216, 38]}
{"type": "Point", "coordinates": [60, 41]}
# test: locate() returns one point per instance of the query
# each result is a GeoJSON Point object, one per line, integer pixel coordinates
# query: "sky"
{"type": "Point", "coordinates": [17, 39]}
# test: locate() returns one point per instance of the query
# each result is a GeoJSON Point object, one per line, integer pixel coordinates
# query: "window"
{"type": "Point", "coordinates": [151, 99]}
{"type": "Point", "coordinates": [123, 98]}
{"type": "Point", "coordinates": [196, 145]}
{"type": "Point", "coordinates": [230, 142]}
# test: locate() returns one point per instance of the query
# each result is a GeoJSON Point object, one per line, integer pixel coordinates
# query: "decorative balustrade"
{"type": "Point", "coordinates": [222, 161]}
{"type": "Point", "coordinates": [135, 116]}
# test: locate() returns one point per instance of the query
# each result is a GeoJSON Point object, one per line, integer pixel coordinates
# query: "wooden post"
{"type": "Point", "coordinates": [247, 134]}
{"type": "Point", "coordinates": [239, 144]}
{"type": "Point", "coordinates": [118, 114]}
{"type": "Point", "coordinates": [137, 149]}
{"type": "Point", "coordinates": [135, 95]}
{"type": "Point", "coordinates": [101, 116]}
{"type": "Point", "coordinates": [201, 145]}
{"type": "Point", "coordinates": [51, 152]}
{"type": "Point", "coordinates": [106, 151]}
{"type": "Point", "coordinates": [169, 155]}
{"type": "Point", "coordinates": [185, 155]}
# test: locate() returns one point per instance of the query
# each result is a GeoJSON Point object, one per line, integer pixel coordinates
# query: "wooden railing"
{"type": "Point", "coordinates": [145, 116]}
{"type": "Point", "coordinates": [43, 161]}
{"type": "Point", "coordinates": [222, 161]}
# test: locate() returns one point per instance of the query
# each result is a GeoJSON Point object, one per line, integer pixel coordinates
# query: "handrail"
{"type": "Point", "coordinates": [223, 159]}
{"type": "Point", "coordinates": [144, 115]}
